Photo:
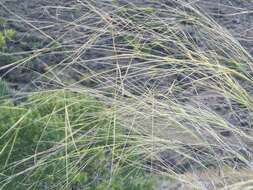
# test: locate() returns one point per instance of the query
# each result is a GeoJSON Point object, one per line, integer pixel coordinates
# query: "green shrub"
{"type": "Point", "coordinates": [10, 33]}
{"type": "Point", "coordinates": [63, 141]}
{"type": "Point", "coordinates": [2, 41]}
{"type": "Point", "coordinates": [6, 36]}
{"type": "Point", "coordinates": [2, 21]}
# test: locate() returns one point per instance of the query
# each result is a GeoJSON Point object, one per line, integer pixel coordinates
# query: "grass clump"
{"type": "Point", "coordinates": [61, 140]}
{"type": "Point", "coordinates": [178, 93]}
{"type": "Point", "coordinates": [2, 41]}
{"type": "Point", "coordinates": [2, 21]}
{"type": "Point", "coordinates": [4, 90]}
{"type": "Point", "coordinates": [6, 36]}
{"type": "Point", "coordinates": [10, 34]}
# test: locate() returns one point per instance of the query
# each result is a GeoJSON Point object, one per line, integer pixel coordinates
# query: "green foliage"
{"type": "Point", "coordinates": [233, 64]}
{"type": "Point", "coordinates": [148, 10]}
{"type": "Point", "coordinates": [2, 21]}
{"type": "Point", "coordinates": [10, 33]}
{"type": "Point", "coordinates": [62, 140]}
{"type": "Point", "coordinates": [2, 41]}
{"type": "Point", "coordinates": [6, 36]}
{"type": "Point", "coordinates": [135, 182]}
{"type": "Point", "coordinates": [6, 59]}
{"type": "Point", "coordinates": [153, 24]}
{"type": "Point", "coordinates": [130, 10]}
{"type": "Point", "coordinates": [56, 44]}
{"type": "Point", "coordinates": [133, 42]}
{"type": "Point", "coordinates": [4, 91]}
{"type": "Point", "coordinates": [154, 46]}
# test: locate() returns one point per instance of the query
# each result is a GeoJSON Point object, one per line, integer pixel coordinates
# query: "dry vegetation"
{"type": "Point", "coordinates": [128, 91]}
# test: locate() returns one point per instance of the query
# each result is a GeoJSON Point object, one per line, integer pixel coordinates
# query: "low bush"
{"type": "Point", "coordinates": [59, 140]}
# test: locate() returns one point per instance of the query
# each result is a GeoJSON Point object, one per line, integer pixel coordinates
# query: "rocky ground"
{"type": "Point", "coordinates": [39, 23]}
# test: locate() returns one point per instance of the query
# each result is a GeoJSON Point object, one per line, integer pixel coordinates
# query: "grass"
{"type": "Point", "coordinates": [64, 140]}
{"type": "Point", "coordinates": [167, 84]}
{"type": "Point", "coordinates": [2, 41]}
{"type": "Point", "coordinates": [4, 89]}
{"type": "Point", "coordinates": [5, 36]}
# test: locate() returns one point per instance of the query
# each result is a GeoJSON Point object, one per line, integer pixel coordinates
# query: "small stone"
{"type": "Point", "coordinates": [44, 67]}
